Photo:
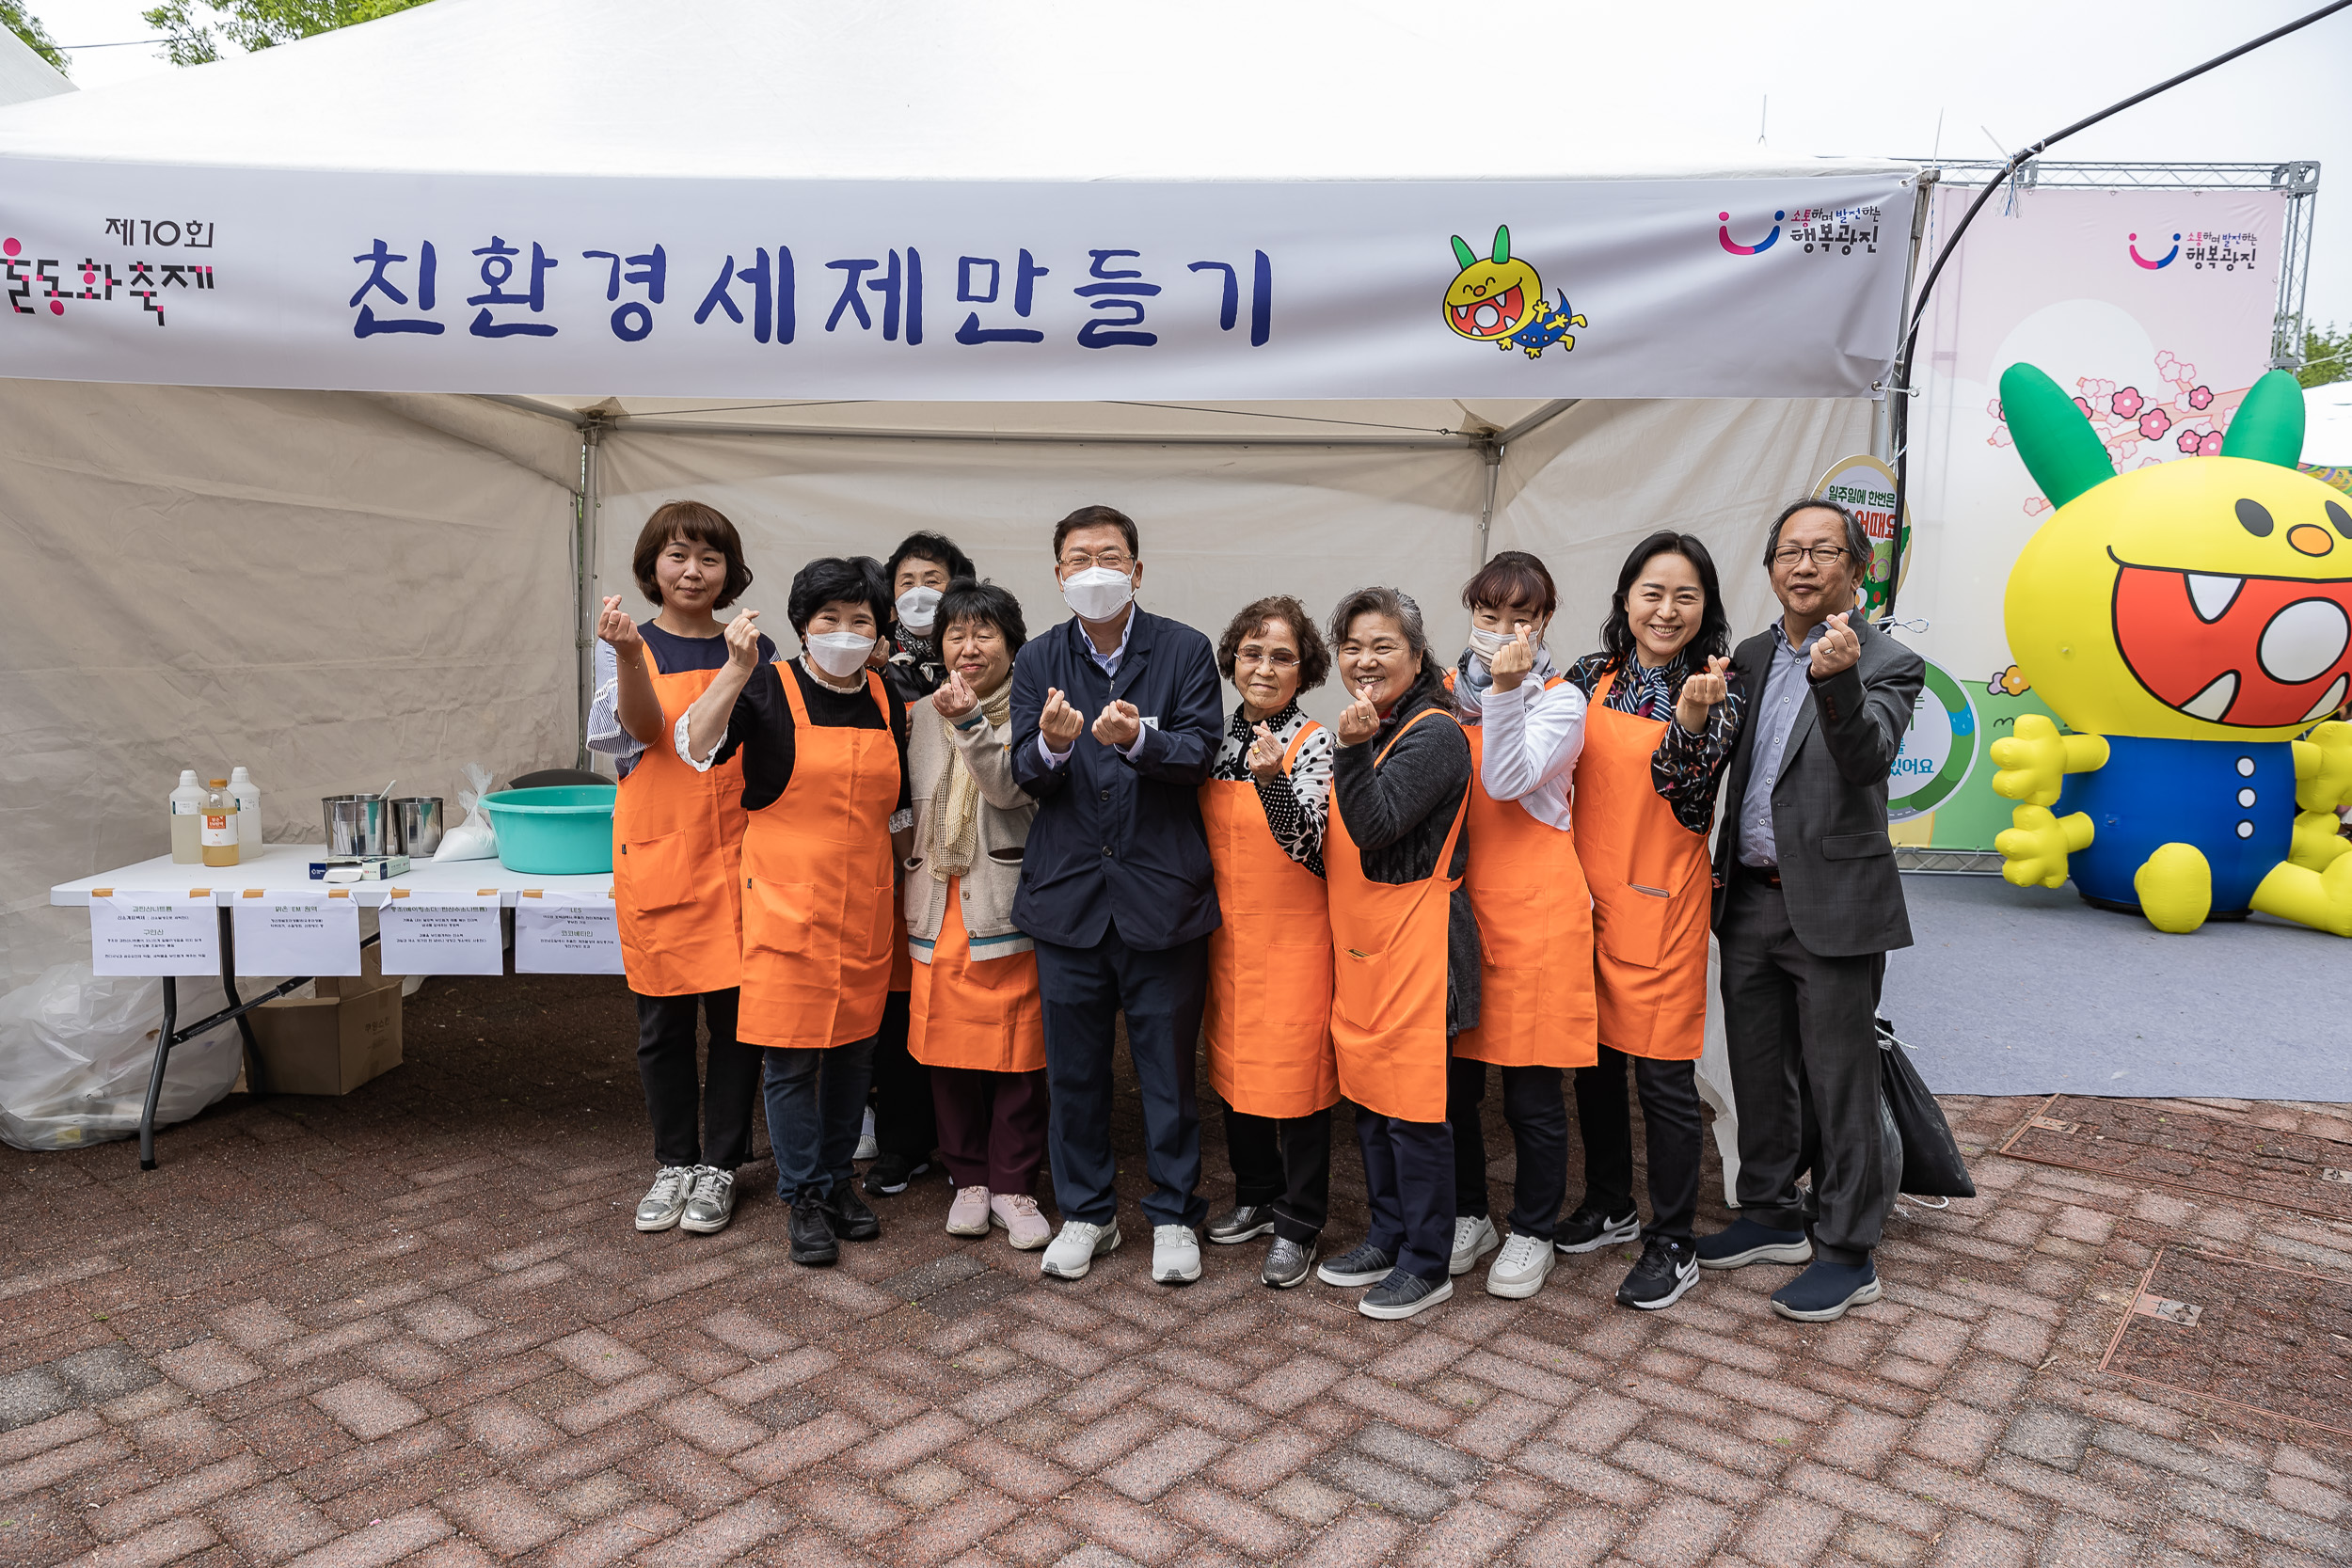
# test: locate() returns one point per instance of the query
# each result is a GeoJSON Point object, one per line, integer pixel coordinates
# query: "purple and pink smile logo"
{"type": "Point", "coordinates": [1723, 236]}
{"type": "Point", "coordinates": [2131, 243]}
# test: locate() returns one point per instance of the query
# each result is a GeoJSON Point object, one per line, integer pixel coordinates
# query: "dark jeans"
{"type": "Point", "coordinates": [1286, 1161]}
{"type": "Point", "coordinates": [991, 1127]}
{"type": "Point", "coordinates": [1794, 1019]}
{"type": "Point", "coordinates": [1162, 994]}
{"type": "Point", "coordinates": [816, 1101]}
{"type": "Point", "coordinates": [1670, 1122]}
{"type": "Point", "coordinates": [1409, 1186]}
{"type": "Point", "coordinates": [677, 1086]}
{"type": "Point", "coordinates": [1538, 1117]}
{"type": "Point", "coordinates": [904, 1123]}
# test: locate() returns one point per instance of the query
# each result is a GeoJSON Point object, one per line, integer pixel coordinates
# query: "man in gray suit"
{"type": "Point", "coordinates": [1808, 905]}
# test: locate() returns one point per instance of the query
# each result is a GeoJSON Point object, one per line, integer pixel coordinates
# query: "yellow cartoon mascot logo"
{"type": "Point", "coordinates": [2188, 621]}
{"type": "Point", "coordinates": [1501, 301]}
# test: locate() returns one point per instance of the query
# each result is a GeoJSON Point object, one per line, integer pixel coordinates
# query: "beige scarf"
{"type": "Point", "coordinates": [956, 799]}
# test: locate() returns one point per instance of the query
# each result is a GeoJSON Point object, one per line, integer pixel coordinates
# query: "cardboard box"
{"type": "Point", "coordinates": [371, 976]}
{"type": "Point", "coordinates": [326, 1044]}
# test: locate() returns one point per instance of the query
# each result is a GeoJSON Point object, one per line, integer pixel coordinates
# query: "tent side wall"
{"type": "Point", "coordinates": [331, 589]}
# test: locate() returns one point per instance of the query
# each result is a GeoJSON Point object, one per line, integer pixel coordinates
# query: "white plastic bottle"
{"type": "Point", "coordinates": [219, 824]}
{"type": "Point", "coordinates": [248, 796]}
{"type": "Point", "coordinates": [187, 805]}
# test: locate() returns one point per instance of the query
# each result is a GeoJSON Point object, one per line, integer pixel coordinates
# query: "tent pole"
{"type": "Point", "coordinates": [1491, 447]}
{"type": "Point", "coordinates": [584, 557]}
{"type": "Point", "coordinates": [1492, 451]}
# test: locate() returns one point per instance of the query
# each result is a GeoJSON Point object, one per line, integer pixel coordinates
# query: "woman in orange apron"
{"type": "Point", "coordinates": [977, 1021]}
{"type": "Point", "coordinates": [823, 750]}
{"type": "Point", "coordinates": [1405, 945]}
{"type": "Point", "coordinates": [1268, 1021]}
{"type": "Point", "coordinates": [1657, 733]}
{"type": "Point", "coordinates": [1526, 725]}
{"type": "Point", "coordinates": [899, 1133]}
{"type": "Point", "coordinates": [676, 853]}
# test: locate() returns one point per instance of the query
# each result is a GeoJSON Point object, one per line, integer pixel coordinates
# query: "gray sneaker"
{"type": "Point", "coordinates": [664, 1202]}
{"type": "Point", "coordinates": [712, 1202]}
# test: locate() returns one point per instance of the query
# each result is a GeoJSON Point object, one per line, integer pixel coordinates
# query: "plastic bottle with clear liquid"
{"type": "Point", "coordinates": [187, 809]}
{"type": "Point", "coordinates": [219, 831]}
{"type": "Point", "coordinates": [248, 796]}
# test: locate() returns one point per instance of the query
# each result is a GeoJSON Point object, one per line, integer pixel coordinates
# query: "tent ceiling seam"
{"type": "Point", "coordinates": [628, 427]}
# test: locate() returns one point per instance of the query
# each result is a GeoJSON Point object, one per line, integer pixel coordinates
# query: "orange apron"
{"type": "Point", "coordinates": [1269, 1020]}
{"type": "Point", "coordinates": [816, 886]}
{"type": "Point", "coordinates": [1651, 886]}
{"type": "Point", "coordinates": [1389, 968]}
{"type": "Point", "coordinates": [1535, 929]}
{"type": "Point", "coordinates": [985, 1014]}
{"type": "Point", "coordinates": [677, 861]}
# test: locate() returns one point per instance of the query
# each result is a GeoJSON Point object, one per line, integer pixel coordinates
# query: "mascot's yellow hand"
{"type": "Point", "coordinates": [2323, 768]}
{"type": "Point", "coordinates": [2032, 763]}
{"type": "Point", "coordinates": [2036, 848]}
{"type": "Point", "coordinates": [2317, 842]}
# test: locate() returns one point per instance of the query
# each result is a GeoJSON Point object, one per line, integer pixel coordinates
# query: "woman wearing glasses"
{"type": "Point", "coordinates": [1269, 1013]}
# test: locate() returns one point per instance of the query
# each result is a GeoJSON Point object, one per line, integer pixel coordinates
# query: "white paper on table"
{"type": "Point", "coordinates": [308, 931]}
{"type": "Point", "coordinates": [442, 933]}
{"type": "Point", "coordinates": [165, 932]}
{"type": "Point", "coordinates": [567, 933]}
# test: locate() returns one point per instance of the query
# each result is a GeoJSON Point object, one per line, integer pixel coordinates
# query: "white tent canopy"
{"type": "Point", "coordinates": [338, 587]}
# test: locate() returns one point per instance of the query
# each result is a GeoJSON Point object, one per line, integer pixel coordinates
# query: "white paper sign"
{"type": "Point", "coordinates": [306, 932]}
{"type": "Point", "coordinates": [155, 933]}
{"type": "Point", "coordinates": [567, 933]}
{"type": "Point", "coordinates": [443, 933]}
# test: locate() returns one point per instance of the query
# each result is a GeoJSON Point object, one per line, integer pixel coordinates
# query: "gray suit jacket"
{"type": "Point", "coordinates": [1829, 805]}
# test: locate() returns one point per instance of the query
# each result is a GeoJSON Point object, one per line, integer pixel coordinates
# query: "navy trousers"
{"type": "Point", "coordinates": [1409, 1186]}
{"type": "Point", "coordinates": [816, 1100]}
{"type": "Point", "coordinates": [1161, 992]}
{"type": "Point", "coordinates": [1537, 1114]}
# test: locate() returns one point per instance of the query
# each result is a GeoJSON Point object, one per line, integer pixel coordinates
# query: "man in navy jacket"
{"type": "Point", "coordinates": [1116, 715]}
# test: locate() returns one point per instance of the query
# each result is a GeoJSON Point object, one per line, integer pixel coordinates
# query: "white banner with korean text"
{"type": "Point", "coordinates": [915, 291]}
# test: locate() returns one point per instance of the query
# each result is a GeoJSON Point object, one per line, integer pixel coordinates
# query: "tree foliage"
{"type": "Point", "coordinates": [2327, 356]}
{"type": "Point", "coordinates": [197, 31]}
{"type": "Point", "coordinates": [24, 25]}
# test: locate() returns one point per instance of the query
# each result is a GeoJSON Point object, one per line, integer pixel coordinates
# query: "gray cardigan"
{"type": "Point", "coordinates": [1003, 829]}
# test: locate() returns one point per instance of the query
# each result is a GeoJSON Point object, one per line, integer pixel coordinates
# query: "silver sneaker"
{"type": "Point", "coordinates": [1073, 1252]}
{"type": "Point", "coordinates": [868, 1149]}
{"type": "Point", "coordinates": [664, 1202]}
{"type": "Point", "coordinates": [712, 1202]}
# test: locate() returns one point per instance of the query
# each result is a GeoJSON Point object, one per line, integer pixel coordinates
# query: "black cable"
{"type": "Point", "coordinates": [1898, 420]}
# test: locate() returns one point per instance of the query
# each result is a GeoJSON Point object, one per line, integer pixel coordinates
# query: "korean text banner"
{"type": "Point", "coordinates": [230, 277]}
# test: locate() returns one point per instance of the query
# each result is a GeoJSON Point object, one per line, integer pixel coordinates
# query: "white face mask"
{"type": "Point", "coordinates": [1486, 644]}
{"type": "Point", "coordinates": [838, 654]}
{"type": "Point", "coordinates": [916, 607]}
{"type": "Point", "coordinates": [1098, 592]}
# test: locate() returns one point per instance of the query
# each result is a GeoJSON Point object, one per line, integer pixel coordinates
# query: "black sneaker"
{"type": "Point", "coordinates": [889, 1174]}
{"type": "Point", "coordinates": [1402, 1294]}
{"type": "Point", "coordinates": [811, 1230]}
{"type": "Point", "coordinates": [1588, 1231]}
{"type": "Point", "coordinates": [1365, 1264]}
{"type": "Point", "coordinates": [1243, 1222]}
{"type": "Point", "coordinates": [1287, 1263]}
{"type": "Point", "coordinates": [1664, 1274]}
{"type": "Point", "coordinates": [853, 1221]}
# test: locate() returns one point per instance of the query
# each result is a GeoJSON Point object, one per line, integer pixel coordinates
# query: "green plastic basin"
{"type": "Point", "coordinates": [560, 830]}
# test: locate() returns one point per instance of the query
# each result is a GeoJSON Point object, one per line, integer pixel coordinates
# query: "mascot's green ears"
{"type": "Point", "coordinates": [1468, 257]}
{"type": "Point", "coordinates": [2066, 456]}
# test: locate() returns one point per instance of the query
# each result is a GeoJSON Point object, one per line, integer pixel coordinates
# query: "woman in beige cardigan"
{"type": "Point", "coordinates": [976, 1019]}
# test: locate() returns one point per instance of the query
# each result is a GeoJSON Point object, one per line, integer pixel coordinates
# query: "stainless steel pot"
{"type": "Point", "coordinates": [417, 822]}
{"type": "Point", "coordinates": [357, 825]}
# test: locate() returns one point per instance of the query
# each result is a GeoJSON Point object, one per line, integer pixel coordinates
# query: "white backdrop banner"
{"type": "Point", "coordinates": [229, 277]}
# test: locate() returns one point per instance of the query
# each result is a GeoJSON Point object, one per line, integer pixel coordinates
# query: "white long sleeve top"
{"type": "Point", "coordinates": [1533, 736]}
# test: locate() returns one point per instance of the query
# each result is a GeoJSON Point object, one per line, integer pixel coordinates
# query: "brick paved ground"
{"type": "Point", "coordinates": [414, 1325]}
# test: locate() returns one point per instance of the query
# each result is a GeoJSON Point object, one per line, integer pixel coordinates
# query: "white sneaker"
{"type": "Point", "coordinates": [1175, 1253]}
{"type": "Point", "coordinates": [1523, 1267]}
{"type": "Point", "coordinates": [1025, 1227]}
{"type": "Point", "coordinates": [712, 1202]}
{"type": "Point", "coordinates": [867, 1147]}
{"type": "Point", "coordinates": [1473, 1238]}
{"type": "Point", "coordinates": [664, 1202]}
{"type": "Point", "coordinates": [968, 1215]}
{"type": "Point", "coordinates": [1079, 1245]}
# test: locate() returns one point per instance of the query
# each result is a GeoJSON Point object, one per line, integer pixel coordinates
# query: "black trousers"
{"type": "Point", "coordinates": [1670, 1121]}
{"type": "Point", "coordinates": [1538, 1117]}
{"type": "Point", "coordinates": [677, 1088]}
{"type": "Point", "coordinates": [1286, 1161]}
{"type": "Point", "coordinates": [1801, 1029]}
{"type": "Point", "coordinates": [1408, 1174]}
{"type": "Point", "coordinates": [904, 1121]}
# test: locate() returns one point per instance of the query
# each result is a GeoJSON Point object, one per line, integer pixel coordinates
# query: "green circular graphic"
{"type": "Point", "coordinates": [1938, 751]}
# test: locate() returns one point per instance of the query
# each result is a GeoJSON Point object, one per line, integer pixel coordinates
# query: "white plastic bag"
{"type": "Point", "coordinates": [474, 839]}
{"type": "Point", "coordinates": [75, 1048]}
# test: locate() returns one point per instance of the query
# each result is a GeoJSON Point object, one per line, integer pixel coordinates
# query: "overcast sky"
{"type": "Point", "coordinates": [1853, 77]}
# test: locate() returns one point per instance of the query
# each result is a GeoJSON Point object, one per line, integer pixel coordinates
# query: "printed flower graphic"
{"type": "Point", "coordinates": [2188, 442]}
{"type": "Point", "coordinates": [2127, 404]}
{"type": "Point", "coordinates": [2154, 423]}
{"type": "Point", "coordinates": [2211, 444]}
{"type": "Point", "coordinates": [2201, 399]}
{"type": "Point", "coordinates": [2089, 412]}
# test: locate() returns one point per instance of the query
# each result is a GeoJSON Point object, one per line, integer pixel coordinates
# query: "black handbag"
{"type": "Point", "coordinates": [1931, 1163]}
